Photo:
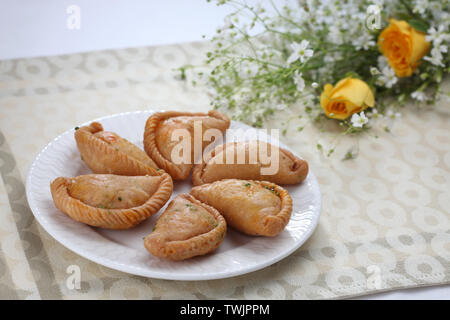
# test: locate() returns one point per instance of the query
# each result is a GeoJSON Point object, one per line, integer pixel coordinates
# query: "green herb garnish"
{"type": "Point", "coordinates": [272, 190]}
{"type": "Point", "coordinates": [191, 207]}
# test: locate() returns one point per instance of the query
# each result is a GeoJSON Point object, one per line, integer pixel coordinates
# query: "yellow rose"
{"type": "Point", "coordinates": [349, 96]}
{"type": "Point", "coordinates": [403, 46]}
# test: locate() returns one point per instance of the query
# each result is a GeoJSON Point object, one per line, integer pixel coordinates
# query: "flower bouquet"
{"type": "Point", "coordinates": [354, 63]}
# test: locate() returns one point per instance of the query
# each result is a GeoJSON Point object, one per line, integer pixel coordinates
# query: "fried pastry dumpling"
{"type": "Point", "coordinates": [159, 144]}
{"type": "Point", "coordinates": [187, 228]}
{"type": "Point", "coordinates": [111, 201]}
{"type": "Point", "coordinates": [257, 208]}
{"type": "Point", "coordinates": [106, 152]}
{"type": "Point", "coordinates": [243, 160]}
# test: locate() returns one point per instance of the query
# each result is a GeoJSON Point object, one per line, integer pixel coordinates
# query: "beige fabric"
{"type": "Point", "coordinates": [385, 218]}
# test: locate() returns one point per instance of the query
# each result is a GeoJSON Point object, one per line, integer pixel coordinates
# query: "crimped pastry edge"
{"type": "Point", "coordinates": [276, 223]}
{"type": "Point", "coordinates": [85, 139]}
{"type": "Point", "coordinates": [198, 245]}
{"type": "Point", "coordinates": [198, 169]}
{"type": "Point", "coordinates": [150, 145]}
{"type": "Point", "coordinates": [109, 218]}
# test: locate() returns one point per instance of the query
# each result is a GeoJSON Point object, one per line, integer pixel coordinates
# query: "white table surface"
{"type": "Point", "coordinates": [30, 28]}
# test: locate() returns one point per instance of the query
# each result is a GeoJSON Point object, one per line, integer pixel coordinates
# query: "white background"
{"type": "Point", "coordinates": [30, 28]}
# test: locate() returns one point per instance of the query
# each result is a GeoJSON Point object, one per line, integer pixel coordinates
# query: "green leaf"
{"type": "Point", "coordinates": [419, 25]}
{"type": "Point", "coordinates": [352, 74]}
{"type": "Point", "coordinates": [401, 16]}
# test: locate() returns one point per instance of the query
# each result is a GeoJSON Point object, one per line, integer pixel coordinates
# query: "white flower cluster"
{"type": "Point", "coordinates": [344, 20]}
{"type": "Point", "coordinates": [268, 59]}
{"type": "Point", "coordinates": [439, 37]}
{"type": "Point", "coordinates": [374, 118]}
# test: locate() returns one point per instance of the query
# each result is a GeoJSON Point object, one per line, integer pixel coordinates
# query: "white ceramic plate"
{"type": "Point", "coordinates": [124, 250]}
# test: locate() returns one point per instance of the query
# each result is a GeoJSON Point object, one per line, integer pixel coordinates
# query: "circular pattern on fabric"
{"type": "Point", "coordinates": [441, 245]}
{"type": "Point", "coordinates": [307, 292]}
{"type": "Point", "coordinates": [299, 271]}
{"type": "Point", "coordinates": [438, 138]}
{"type": "Point", "coordinates": [140, 72]}
{"type": "Point", "coordinates": [32, 69]}
{"type": "Point", "coordinates": [370, 254]}
{"type": "Point", "coordinates": [405, 133]}
{"type": "Point", "coordinates": [101, 62]}
{"type": "Point", "coordinates": [344, 280]}
{"type": "Point", "coordinates": [411, 194]}
{"type": "Point", "coordinates": [436, 178]}
{"type": "Point", "coordinates": [386, 213]}
{"type": "Point", "coordinates": [394, 170]}
{"type": "Point", "coordinates": [328, 180]}
{"type": "Point", "coordinates": [67, 61]}
{"type": "Point", "coordinates": [380, 148]}
{"type": "Point", "coordinates": [6, 65]}
{"type": "Point", "coordinates": [341, 205]}
{"type": "Point", "coordinates": [130, 289]}
{"type": "Point", "coordinates": [405, 240]}
{"type": "Point", "coordinates": [425, 268]}
{"type": "Point", "coordinates": [332, 253]}
{"type": "Point", "coordinates": [169, 57]}
{"type": "Point", "coordinates": [270, 289]}
{"type": "Point", "coordinates": [359, 168]}
{"type": "Point", "coordinates": [368, 189]}
{"type": "Point", "coordinates": [420, 155]}
{"type": "Point", "coordinates": [357, 230]}
{"type": "Point", "coordinates": [430, 220]}
{"type": "Point", "coordinates": [444, 201]}
{"type": "Point", "coordinates": [133, 54]}
{"type": "Point", "coordinates": [217, 288]}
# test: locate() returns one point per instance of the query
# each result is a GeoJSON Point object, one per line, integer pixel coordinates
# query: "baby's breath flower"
{"type": "Point", "coordinates": [299, 81]}
{"type": "Point", "coordinates": [393, 115]}
{"type": "Point", "coordinates": [419, 96]}
{"type": "Point", "coordinates": [438, 35]}
{"type": "Point", "coordinates": [267, 64]}
{"type": "Point", "coordinates": [359, 120]}
{"type": "Point", "coordinates": [382, 62]}
{"type": "Point", "coordinates": [436, 56]}
{"type": "Point", "coordinates": [300, 51]}
{"type": "Point", "coordinates": [420, 6]}
{"type": "Point", "coordinates": [374, 71]}
{"type": "Point", "coordinates": [388, 77]}
{"type": "Point", "coordinates": [374, 114]}
{"type": "Point", "coordinates": [364, 41]}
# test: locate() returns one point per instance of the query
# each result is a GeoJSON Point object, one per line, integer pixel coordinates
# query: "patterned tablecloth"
{"type": "Point", "coordinates": [385, 219]}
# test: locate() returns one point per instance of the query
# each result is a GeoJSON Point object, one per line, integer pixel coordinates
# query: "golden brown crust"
{"type": "Point", "coordinates": [270, 225]}
{"type": "Point", "coordinates": [177, 171]}
{"type": "Point", "coordinates": [292, 170]}
{"type": "Point", "coordinates": [273, 225]}
{"type": "Point", "coordinates": [101, 157]}
{"type": "Point", "coordinates": [109, 218]}
{"type": "Point", "coordinates": [198, 245]}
